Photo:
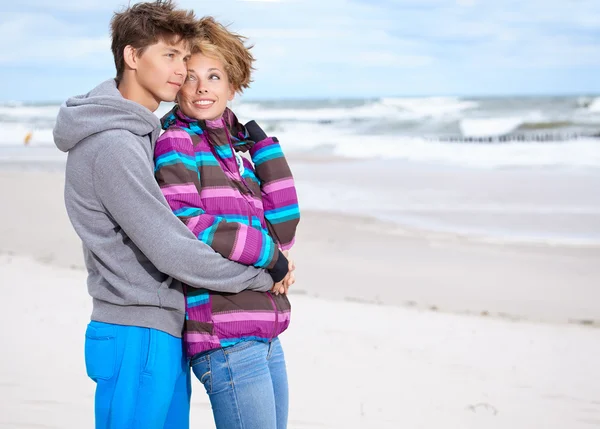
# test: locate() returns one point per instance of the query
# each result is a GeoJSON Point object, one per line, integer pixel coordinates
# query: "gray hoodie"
{"type": "Point", "coordinates": [136, 251]}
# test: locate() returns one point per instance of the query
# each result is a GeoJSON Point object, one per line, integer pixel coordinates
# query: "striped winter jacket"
{"type": "Point", "coordinates": [243, 211]}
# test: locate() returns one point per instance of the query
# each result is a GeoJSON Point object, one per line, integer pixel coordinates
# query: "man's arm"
{"type": "Point", "coordinates": [178, 179]}
{"type": "Point", "coordinates": [124, 182]}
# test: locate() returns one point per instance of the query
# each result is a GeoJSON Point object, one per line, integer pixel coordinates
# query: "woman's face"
{"type": "Point", "coordinates": [206, 90]}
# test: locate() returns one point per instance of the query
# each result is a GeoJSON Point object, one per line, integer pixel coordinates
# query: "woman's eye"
{"type": "Point", "coordinates": [214, 76]}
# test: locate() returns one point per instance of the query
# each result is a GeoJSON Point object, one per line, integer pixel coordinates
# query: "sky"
{"type": "Point", "coordinates": [331, 48]}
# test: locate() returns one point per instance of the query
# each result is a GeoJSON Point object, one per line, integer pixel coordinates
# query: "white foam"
{"type": "Point", "coordinates": [368, 111]}
{"type": "Point", "coordinates": [431, 106]}
{"type": "Point", "coordinates": [401, 109]}
{"type": "Point", "coordinates": [311, 138]}
{"type": "Point", "coordinates": [322, 139]}
{"type": "Point", "coordinates": [28, 113]}
{"type": "Point", "coordinates": [482, 127]}
{"type": "Point", "coordinates": [579, 153]}
{"type": "Point", "coordinates": [594, 105]}
{"type": "Point", "coordinates": [497, 126]}
{"type": "Point", "coordinates": [307, 130]}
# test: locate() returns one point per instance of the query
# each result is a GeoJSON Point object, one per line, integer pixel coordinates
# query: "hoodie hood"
{"type": "Point", "coordinates": [102, 109]}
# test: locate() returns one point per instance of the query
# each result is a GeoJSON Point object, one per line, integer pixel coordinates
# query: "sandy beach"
{"type": "Point", "coordinates": [356, 258]}
{"type": "Point", "coordinates": [446, 158]}
{"type": "Point", "coordinates": [392, 327]}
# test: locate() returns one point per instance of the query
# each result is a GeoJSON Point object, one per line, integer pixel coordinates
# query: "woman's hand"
{"type": "Point", "coordinates": [290, 278]}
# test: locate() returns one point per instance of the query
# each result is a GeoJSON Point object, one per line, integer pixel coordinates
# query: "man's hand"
{"type": "Point", "coordinates": [290, 278]}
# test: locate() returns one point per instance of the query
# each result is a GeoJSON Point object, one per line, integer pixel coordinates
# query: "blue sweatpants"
{"type": "Point", "coordinates": [142, 377]}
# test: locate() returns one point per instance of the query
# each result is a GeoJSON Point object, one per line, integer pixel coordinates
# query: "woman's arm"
{"type": "Point", "coordinates": [280, 199]}
{"type": "Point", "coordinates": [177, 174]}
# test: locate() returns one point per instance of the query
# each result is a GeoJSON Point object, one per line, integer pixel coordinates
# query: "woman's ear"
{"type": "Point", "coordinates": [231, 93]}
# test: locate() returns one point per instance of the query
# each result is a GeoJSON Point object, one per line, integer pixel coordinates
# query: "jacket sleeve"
{"type": "Point", "coordinates": [280, 199]}
{"type": "Point", "coordinates": [124, 182]}
{"type": "Point", "coordinates": [177, 175]}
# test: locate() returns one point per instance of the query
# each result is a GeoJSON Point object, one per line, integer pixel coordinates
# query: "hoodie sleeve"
{"type": "Point", "coordinates": [124, 182]}
{"type": "Point", "coordinates": [179, 182]}
{"type": "Point", "coordinates": [279, 195]}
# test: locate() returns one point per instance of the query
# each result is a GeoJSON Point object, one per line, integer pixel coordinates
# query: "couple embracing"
{"type": "Point", "coordinates": [186, 224]}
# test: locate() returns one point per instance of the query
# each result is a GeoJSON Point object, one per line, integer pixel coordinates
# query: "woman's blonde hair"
{"type": "Point", "coordinates": [221, 44]}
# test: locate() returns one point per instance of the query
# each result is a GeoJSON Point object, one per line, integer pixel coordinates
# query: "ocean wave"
{"type": "Point", "coordinates": [497, 126]}
{"type": "Point", "coordinates": [594, 105]}
{"type": "Point", "coordinates": [533, 149]}
{"type": "Point", "coordinates": [577, 153]}
{"type": "Point", "coordinates": [368, 111]}
{"type": "Point", "coordinates": [583, 102]}
{"type": "Point", "coordinates": [431, 106]}
{"type": "Point", "coordinates": [397, 109]}
{"type": "Point", "coordinates": [429, 130]}
{"type": "Point", "coordinates": [21, 113]}
{"type": "Point", "coordinates": [530, 122]}
{"type": "Point", "coordinates": [483, 127]}
{"type": "Point", "coordinates": [546, 125]}
{"type": "Point", "coordinates": [531, 137]}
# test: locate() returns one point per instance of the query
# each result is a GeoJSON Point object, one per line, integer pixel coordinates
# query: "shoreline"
{"type": "Point", "coordinates": [453, 219]}
{"type": "Point", "coordinates": [361, 259]}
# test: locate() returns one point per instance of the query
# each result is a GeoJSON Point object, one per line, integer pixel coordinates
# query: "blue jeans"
{"type": "Point", "coordinates": [142, 377]}
{"type": "Point", "coordinates": [247, 385]}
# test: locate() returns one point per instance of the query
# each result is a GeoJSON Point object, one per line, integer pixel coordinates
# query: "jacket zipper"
{"type": "Point", "coordinates": [237, 170]}
{"type": "Point", "coordinates": [252, 209]}
{"type": "Point", "coordinates": [276, 316]}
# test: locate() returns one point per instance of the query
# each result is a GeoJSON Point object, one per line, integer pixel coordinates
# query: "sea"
{"type": "Point", "coordinates": [523, 169]}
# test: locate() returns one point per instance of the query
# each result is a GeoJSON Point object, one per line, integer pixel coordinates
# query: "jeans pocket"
{"type": "Point", "coordinates": [201, 369]}
{"type": "Point", "coordinates": [149, 347]}
{"type": "Point", "coordinates": [100, 351]}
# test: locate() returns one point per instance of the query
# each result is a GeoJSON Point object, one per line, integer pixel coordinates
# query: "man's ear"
{"type": "Point", "coordinates": [130, 56]}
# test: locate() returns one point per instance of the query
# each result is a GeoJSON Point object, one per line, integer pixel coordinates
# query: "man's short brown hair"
{"type": "Point", "coordinates": [145, 24]}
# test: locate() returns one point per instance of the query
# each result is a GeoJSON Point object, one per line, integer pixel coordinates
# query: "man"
{"type": "Point", "coordinates": [136, 251]}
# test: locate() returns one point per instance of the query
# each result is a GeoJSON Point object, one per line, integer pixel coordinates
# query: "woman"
{"type": "Point", "coordinates": [248, 212]}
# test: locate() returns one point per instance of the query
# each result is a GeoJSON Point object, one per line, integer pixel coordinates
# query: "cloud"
{"type": "Point", "coordinates": [325, 46]}
{"type": "Point", "coordinates": [371, 59]}
{"type": "Point", "coordinates": [66, 5]}
{"type": "Point", "coordinates": [50, 41]}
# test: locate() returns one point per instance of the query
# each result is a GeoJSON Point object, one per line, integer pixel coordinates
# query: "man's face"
{"type": "Point", "coordinates": [162, 69]}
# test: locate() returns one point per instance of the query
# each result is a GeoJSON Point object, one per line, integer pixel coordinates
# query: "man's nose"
{"type": "Point", "coordinates": [181, 70]}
